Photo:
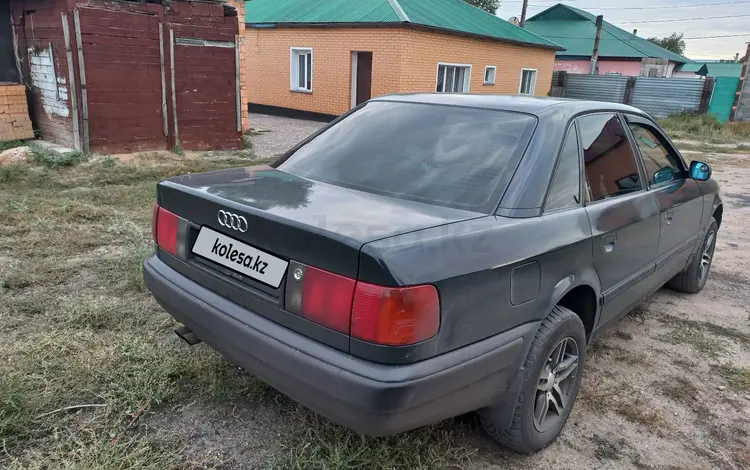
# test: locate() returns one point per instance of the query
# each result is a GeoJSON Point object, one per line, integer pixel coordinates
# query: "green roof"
{"type": "Point", "coordinates": [454, 16]}
{"type": "Point", "coordinates": [576, 29]}
{"type": "Point", "coordinates": [715, 69]}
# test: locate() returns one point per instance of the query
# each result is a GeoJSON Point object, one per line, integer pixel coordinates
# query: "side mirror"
{"type": "Point", "coordinates": [700, 171]}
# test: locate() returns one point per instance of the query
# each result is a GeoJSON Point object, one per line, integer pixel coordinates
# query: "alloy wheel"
{"type": "Point", "coordinates": [555, 385]}
{"type": "Point", "coordinates": [708, 252]}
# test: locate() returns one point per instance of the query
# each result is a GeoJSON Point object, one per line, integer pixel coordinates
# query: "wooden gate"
{"type": "Point", "coordinates": [121, 85]}
{"type": "Point", "coordinates": [206, 84]}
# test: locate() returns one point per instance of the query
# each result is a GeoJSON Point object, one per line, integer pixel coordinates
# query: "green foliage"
{"type": "Point", "coordinates": [109, 162]}
{"type": "Point", "coordinates": [10, 144]}
{"type": "Point", "coordinates": [53, 159]}
{"type": "Point", "coordinates": [674, 42]}
{"type": "Point", "coordinates": [490, 6]}
{"type": "Point", "coordinates": [704, 127]}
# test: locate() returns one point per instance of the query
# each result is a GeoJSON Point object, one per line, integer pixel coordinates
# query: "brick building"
{"type": "Point", "coordinates": [327, 57]}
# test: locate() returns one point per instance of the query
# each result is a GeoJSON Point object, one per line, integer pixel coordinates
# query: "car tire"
{"type": "Point", "coordinates": [529, 432]}
{"type": "Point", "coordinates": [692, 279]}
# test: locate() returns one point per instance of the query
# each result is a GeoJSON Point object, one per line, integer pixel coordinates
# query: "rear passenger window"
{"type": "Point", "coordinates": [661, 165]}
{"type": "Point", "coordinates": [608, 158]}
{"type": "Point", "coordinates": [565, 190]}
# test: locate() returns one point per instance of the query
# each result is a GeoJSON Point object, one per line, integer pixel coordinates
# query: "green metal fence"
{"type": "Point", "coordinates": [722, 99]}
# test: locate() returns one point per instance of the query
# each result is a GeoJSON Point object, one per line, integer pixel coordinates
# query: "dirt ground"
{"type": "Point", "coordinates": [91, 375]}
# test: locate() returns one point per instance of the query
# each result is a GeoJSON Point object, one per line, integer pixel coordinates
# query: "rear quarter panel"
{"type": "Point", "coordinates": [472, 264]}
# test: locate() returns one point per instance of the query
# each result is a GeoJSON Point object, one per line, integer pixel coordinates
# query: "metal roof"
{"type": "Point", "coordinates": [715, 69]}
{"type": "Point", "coordinates": [575, 30]}
{"type": "Point", "coordinates": [454, 16]}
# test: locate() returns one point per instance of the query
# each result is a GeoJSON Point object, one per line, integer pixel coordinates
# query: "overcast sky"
{"type": "Point", "coordinates": [719, 48]}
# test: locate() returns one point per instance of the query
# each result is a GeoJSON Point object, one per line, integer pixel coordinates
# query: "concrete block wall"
{"type": "Point", "coordinates": [14, 113]}
{"type": "Point", "coordinates": [404, 60]}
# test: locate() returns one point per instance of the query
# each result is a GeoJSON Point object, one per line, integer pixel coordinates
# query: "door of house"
{"type": "Point", "coordinates": [362, 77]}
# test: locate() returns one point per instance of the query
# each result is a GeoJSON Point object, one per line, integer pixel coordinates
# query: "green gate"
{"type": "Point", "coordinates": [725, 90]}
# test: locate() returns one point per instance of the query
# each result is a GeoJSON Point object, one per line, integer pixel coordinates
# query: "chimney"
{"type": "Point", "coordinates": [635, 32]}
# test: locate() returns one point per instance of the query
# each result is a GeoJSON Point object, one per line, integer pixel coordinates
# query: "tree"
{"type": "Point", "coordinates": [490, 6]}
{"type": "Point", "coordinates": [673, 42]}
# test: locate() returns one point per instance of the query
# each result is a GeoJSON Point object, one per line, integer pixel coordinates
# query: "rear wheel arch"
{"type": "Point", "coordinates": [718, 214]}
{"type": "Point", "coordinates": [583, 301]}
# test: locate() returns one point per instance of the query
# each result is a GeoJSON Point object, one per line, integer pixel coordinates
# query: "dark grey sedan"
{"type": "Point", "coordinates": [425, 256]}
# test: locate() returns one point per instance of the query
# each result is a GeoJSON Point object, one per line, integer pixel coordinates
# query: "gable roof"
{"type": "Point", "coordinates": [713, 69]}
{"type": "Point", "coordinates": [455, 16]}
{"type": "Point", "coordinates": [576, 29]}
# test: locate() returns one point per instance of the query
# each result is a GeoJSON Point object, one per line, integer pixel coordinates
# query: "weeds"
{"type": "Point", "coordinates": [704, 127]}
{"type": "Point", "coordinates": [318, 443]}
{"type": "Point", "coordinates": [54, 159]}
{"type": "Point", "coordinates": [684, 333]}
{"type": "Point", "coordinates": [10, 144]}
{"type": "Point", "coordinates": [738, 378]}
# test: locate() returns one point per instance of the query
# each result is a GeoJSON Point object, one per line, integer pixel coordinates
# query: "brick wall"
{"type": "Point", "coordinates": [266, 65]}
{"type": "Point", "coordinates": [426, 49]}
{"type": "Point", "coordinates": [14, 113]}
{"type": "Point", "coordinates": [404, 60]}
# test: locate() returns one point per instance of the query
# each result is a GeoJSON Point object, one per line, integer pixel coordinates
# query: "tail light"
{"type": "Point", "coordinates": [392, 316]}
{"type": "Point", "coordinates": [327, 299]}
{"type": "Point", "coordinates": [165, 227]}
{"type": "Point", "coordinates": [395, 316]}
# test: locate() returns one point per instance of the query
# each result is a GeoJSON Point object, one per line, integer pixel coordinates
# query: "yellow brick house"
{"type": "Point", "coordinates": [326, 57]}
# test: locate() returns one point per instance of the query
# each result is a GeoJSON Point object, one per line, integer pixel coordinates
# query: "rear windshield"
{"type": "Point", "coordinates": [443, 155]}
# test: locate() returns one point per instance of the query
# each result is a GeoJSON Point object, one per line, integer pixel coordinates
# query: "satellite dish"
{"type": "Point", "coordinates": [514, 20]}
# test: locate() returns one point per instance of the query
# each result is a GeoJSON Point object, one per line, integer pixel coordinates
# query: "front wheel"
{"type": "Point", "coordinates": [694, 277]}
{"type": "Point", "coordinates": [552, 377]}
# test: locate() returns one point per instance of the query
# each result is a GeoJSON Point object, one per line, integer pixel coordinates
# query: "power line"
{"type": "Point", "coordinates": [639, 39]}
{"type": "Point", "coordinates": [637, 8]}
{"type": "Point", "coordinates": [681, 19]}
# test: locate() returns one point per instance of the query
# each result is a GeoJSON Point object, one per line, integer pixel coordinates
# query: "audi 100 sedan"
{"type": "Point", "coordinates": [425, 256]}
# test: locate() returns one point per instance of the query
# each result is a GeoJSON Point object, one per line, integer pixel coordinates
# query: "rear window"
{"type": "Point", "coordinates": [443, 155]}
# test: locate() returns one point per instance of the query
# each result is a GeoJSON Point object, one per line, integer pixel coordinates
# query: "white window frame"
{"type": "Point", "coordinates": [494, 75]}
{"type": "Point", "coordinates": [467, 81]}
{"type": "Point", "coordinates": [294, 52]}
{"type": "Point", "coordinates": [532, 90]}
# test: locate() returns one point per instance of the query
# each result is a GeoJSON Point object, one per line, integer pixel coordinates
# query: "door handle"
{"type": "Point", "coordinates": [668, 216]}
{"type": "Point", "coordinates": [609, 242]}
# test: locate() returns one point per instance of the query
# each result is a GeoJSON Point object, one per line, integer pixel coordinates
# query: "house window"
{"type": "Point", "coordinates": [528, 82]}
{"type": "Point", "coordinates": [301, 69]}
{"type": "Point", "coordinates": [453, 78]}
{"type": "Point", "coordinates": [489, 74]}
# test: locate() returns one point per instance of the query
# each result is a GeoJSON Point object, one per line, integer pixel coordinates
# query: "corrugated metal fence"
{"type": "Point", "coordinates": [596, 87]}
{"type": "Point", "coordinates": [659, 97]}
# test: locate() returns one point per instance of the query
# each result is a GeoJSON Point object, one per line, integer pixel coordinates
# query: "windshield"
{"type": "Point", "coordinates": [443, 155]}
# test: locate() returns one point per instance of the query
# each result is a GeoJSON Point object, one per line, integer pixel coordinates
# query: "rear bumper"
{"type": "Point", "coordinates": [370, 398]}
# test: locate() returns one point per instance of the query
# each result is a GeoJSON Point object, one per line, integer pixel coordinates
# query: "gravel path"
{"type": "Point", "coordinates": [275, 134]}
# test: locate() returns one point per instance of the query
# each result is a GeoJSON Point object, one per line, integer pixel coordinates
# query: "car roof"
{"type": "Point", "coordinates": [537, 106]}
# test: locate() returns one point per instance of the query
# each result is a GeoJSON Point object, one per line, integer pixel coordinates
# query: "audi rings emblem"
{"type": "Point", "coordinates": [233, 221]}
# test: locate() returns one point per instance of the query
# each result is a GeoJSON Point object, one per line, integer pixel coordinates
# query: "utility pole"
{"type": "Point", "coordinates": [595, 54]}
{"type": "Point", "coordinates": [523, 13]}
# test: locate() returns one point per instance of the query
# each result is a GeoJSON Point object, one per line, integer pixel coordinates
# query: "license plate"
{"type": "Point", "coordinates": [240, 257]}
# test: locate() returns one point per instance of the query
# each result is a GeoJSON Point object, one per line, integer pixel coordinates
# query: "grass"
{"type": "Point", "coordinates": [705, 128]}
{"type": "Point", "coordinates": [10, 144]}
{"type": "Point", "coordinates": [317, 443]}
{"type": "Point", "coordinates": [685, 333]}
{"type": "Point", "coordinates": [78, 327]}
{"type": "Point", "coordinates": [738, 378]}
{"type": "Point", "coordinates": [54, 159]}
